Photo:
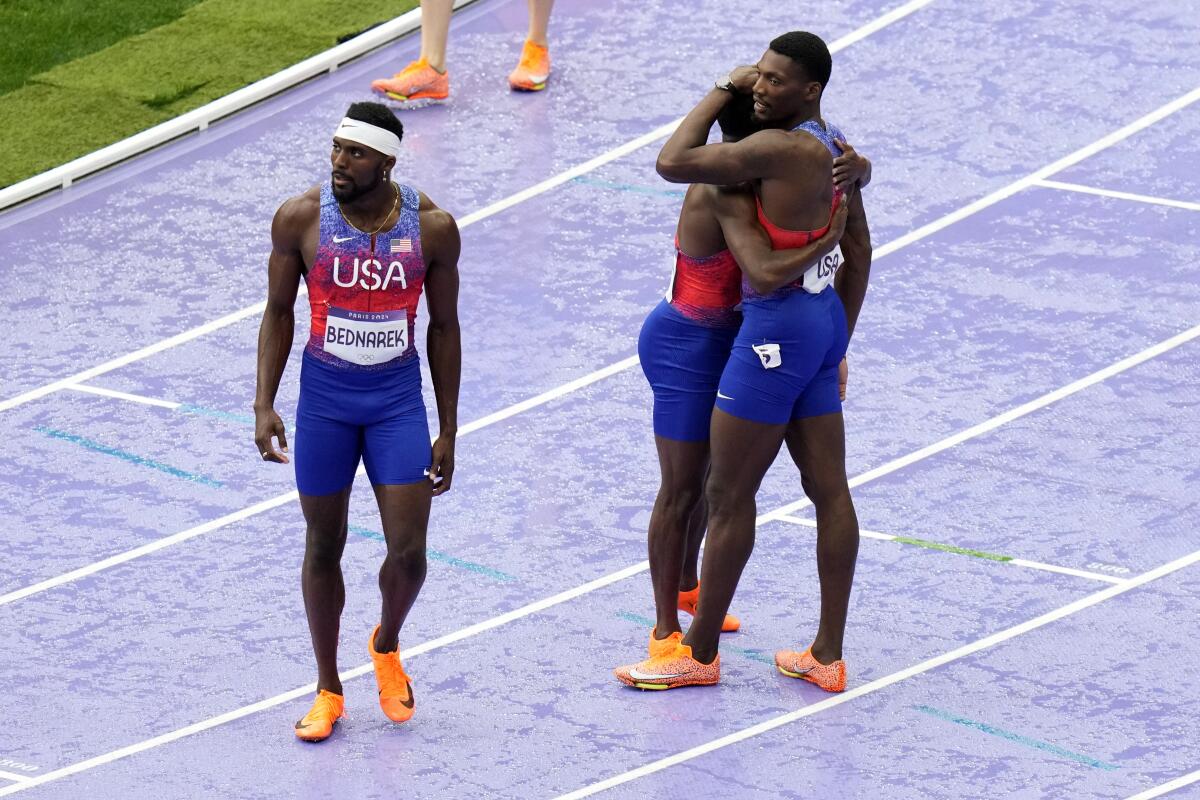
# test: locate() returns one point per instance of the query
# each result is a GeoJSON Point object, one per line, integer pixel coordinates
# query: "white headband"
{"type": "Point", "coordinates": [374, 137]}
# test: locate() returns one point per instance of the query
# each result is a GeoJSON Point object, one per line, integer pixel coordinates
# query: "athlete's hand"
{"type": "Point", "coordinates": [843, 376]}
{"type": "Point", "coordinates": [837, 223]}
{"type": "Point", "coordinates": [441, 468]}
{"type": "Point", "coordinates": [849, 168]}
{"type": "Point", "coordinates": [268, 424]}
{"type": "Point", "coordinates": [743, 79]}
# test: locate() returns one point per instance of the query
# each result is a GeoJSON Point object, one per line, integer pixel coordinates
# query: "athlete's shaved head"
{"type": "Point", "coordinates": [376, 114]}
{"type": "Point", "coordinates": [737, 118]}
{"type": "Point", "coordinates": [808, 51]}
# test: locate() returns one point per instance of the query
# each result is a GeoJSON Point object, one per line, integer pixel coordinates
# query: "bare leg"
{"type": "Point", "coordinates": [404, 509]}
{"type": "Point", "coordinates": [539, 20]}
{"type": "Point", "coordinates": [742, 451]}
{"type": "Point", "coordinates": [683, 465]}
{"type": "Point", "coordinates": [321, 579]}
{"type": "Point", "coordinates": [818, 446]}
{"type": "Point", "coordinates": [435, 27]}
{"type": "Point", "coordinates": [697, 525]}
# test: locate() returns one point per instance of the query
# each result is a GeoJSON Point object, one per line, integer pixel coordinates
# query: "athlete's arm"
{"type": "Point", "coordinates": [764, 268]}
{"type": "Point", "coordinates": [686, 158]}
{"type": "Point", "coordinates": [442, 244]}
{"type": "Point", "coordinates": [850, 167]}
{"type": "Point", "coordinates": [851, 280]}
{"type": "Point", "coordinates": [284, 269]}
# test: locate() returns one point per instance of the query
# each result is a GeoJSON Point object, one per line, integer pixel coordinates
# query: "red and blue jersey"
{"type": "Point", "coordinates": [363, 298]}
{"type": "Point", "coordinates": [784, 239]}
{"type": "Point", "coordinates": [706, 290]}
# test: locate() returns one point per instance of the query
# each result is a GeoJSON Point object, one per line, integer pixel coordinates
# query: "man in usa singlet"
{"type": "Point", "coordinates": [366, 247]}
{"type": "Point", "coordinates": [683, 346]}
{"type": "Point", "coordinates": [780, 381]}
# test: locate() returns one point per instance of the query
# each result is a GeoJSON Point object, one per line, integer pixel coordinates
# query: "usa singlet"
{"type": "Point", "coordinates": [360, 383]}
{"type": "Point", "coordinates": [685, 341]}
{"type": "Point", "coordinates": [784, 363]}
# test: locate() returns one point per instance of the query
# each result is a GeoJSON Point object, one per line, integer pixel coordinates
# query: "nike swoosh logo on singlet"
{"type": "Point", "coordinates": [340, 239]}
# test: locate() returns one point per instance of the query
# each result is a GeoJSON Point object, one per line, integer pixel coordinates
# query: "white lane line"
{"type": "Point", "coordinates": [133, 398]}
{"type": "Point", "coordinates": [1140, 124]}
{"type": "Point", "coordinates": [288, 497]}
{"type": "Point", "coordinates": [808, 523]}
{"type": "Point", "coordinates": [1140, 198]}
{"type": "Point", "coordinates": [1078, 573]}
{"type": "Point", "coordinates": [884, 682]}
{"type": "Point", "coordinates": [1017, 562]}
{"type": "Point", "coordinates": [1012, 414]}
{"type": "Point", "coordinates": [1169, 786]}
{"type": "Point", "coordinates": [778, 514]}
{"type": "Point", "coordinates": [476, 216]}
{"type": "Point", "coordinates": [311, 688]}
{"type": "Point", "coordinates": [12, 776]}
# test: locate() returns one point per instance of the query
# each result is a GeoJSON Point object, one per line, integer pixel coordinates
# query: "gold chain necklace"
{"type": "Point", "coordinates": [386, 217]}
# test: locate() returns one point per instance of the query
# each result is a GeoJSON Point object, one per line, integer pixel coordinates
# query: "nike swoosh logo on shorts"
{"type": "Point", "coordinates": [339, 240]}
{"type": "Point", "coordinates": [637, 675]}
{"type": "Point", "coordinates": [723, 396]}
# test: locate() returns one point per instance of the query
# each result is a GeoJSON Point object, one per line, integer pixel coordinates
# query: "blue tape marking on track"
{"type": "Point", "coordinates": [628, 187]}
{"type": "Point", "coordinates": [212, 412]}
{"type": "Point", "coordinates": [445, 558]}
{"type": "Point", "coordinates": [130, 457]}
{"type": "Point", "coordinates": [1015, 737]}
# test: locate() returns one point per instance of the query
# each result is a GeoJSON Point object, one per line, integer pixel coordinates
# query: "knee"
{"type": "Point", "coordinates": [827, 491]}
{"type": "Point", "coordinates": [407, 559]}
{"type": "Point", "coordinates": [723, 499]}
{"type": "Point", "coordinates": [678, 503]}
{"type": "Point", "coordinates": [324, 547]}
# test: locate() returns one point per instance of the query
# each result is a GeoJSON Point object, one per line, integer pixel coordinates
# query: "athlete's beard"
{"type": "Point", "coordinates": [354, 191]}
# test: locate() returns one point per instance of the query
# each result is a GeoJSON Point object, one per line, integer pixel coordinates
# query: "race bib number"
{"type": "Point", "coordinates": [366, 337]}
{"type": "Point", "coordinates": [821, 274]}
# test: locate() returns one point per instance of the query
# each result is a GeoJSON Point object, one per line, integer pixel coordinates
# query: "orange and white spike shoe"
{"type": "Point", "coordinates": [664, 647]}
{"type": "Point", "coordinates": [417, 81]}
{"type": "Point", "coordinates": [830, 677]}
{"type": "Point", "coordinates": [317, 724]}
{"type": "Point", "coordinates": [670, 671]}
{"type": "Point", "coordinates": [395, 687]}
{"type": "Point", "coordinates": [690, 599]}
{"type": "Point", "coordinates": [533, 70]}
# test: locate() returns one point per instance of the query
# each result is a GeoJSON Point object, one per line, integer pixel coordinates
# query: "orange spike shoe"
{"type": "Point", "coordinates": [395, 687]}
{"type": "Point", "coordinates": [690, 599]}
{"type": "Point", "coordinates": [670, 671]}
{"type": "Point", "coordinates": [533, 70]}
{"type": "Point", "coordinates": [417, 81]}
{"type": "Point", "coordinates": [317, 724]}
{"type": "Point", "coordinates": [830, 677]}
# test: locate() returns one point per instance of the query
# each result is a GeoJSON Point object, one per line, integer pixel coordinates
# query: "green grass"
{"type": "Point", "coordinates": [139, 68]}
{"type": "Point", "coordinates": [39, 35]}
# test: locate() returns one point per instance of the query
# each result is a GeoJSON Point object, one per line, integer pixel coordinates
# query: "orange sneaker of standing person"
{"type": "Point", "coordinates": [664, 647]}
{"type": "Point", "coordinates": [690, 599]}
{"type": "Point", "coordinates": [317, 724]}
{"type": "Point", "coordinates": [417, 81]}
{"type": "Point", "coordinates": [830, 677]}
{"type": "Point", "coordinates": [670, 671]}
{"type": "Point", "coordinates": [533, 70]}
{"type": "Point", "coordinates": [395, 687]}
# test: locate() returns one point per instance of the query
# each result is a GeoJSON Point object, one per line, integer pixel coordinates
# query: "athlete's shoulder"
{"type": "Point", "coordinates": [432, 214]}
{"type": "Point", "coordinates": [300, 208]}
{"type": "Point", "coordinates": [296, 215]}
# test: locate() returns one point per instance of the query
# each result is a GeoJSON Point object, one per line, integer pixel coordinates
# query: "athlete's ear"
{"type": "Point", "coordinates": [388, 163]}
{"type": "Point", "coordinates": [812, 92]}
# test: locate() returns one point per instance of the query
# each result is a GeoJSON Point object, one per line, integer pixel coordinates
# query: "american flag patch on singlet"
{"type": "Point", "coordinates": [401, 246]}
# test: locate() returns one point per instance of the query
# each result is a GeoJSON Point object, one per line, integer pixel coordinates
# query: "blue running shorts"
{"type": "Point", "coordinates": [346, 415]}
{"type": "Point", "coordinates": [682, 359]}
{"type": "Point", "coordinates": [784, 364]}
